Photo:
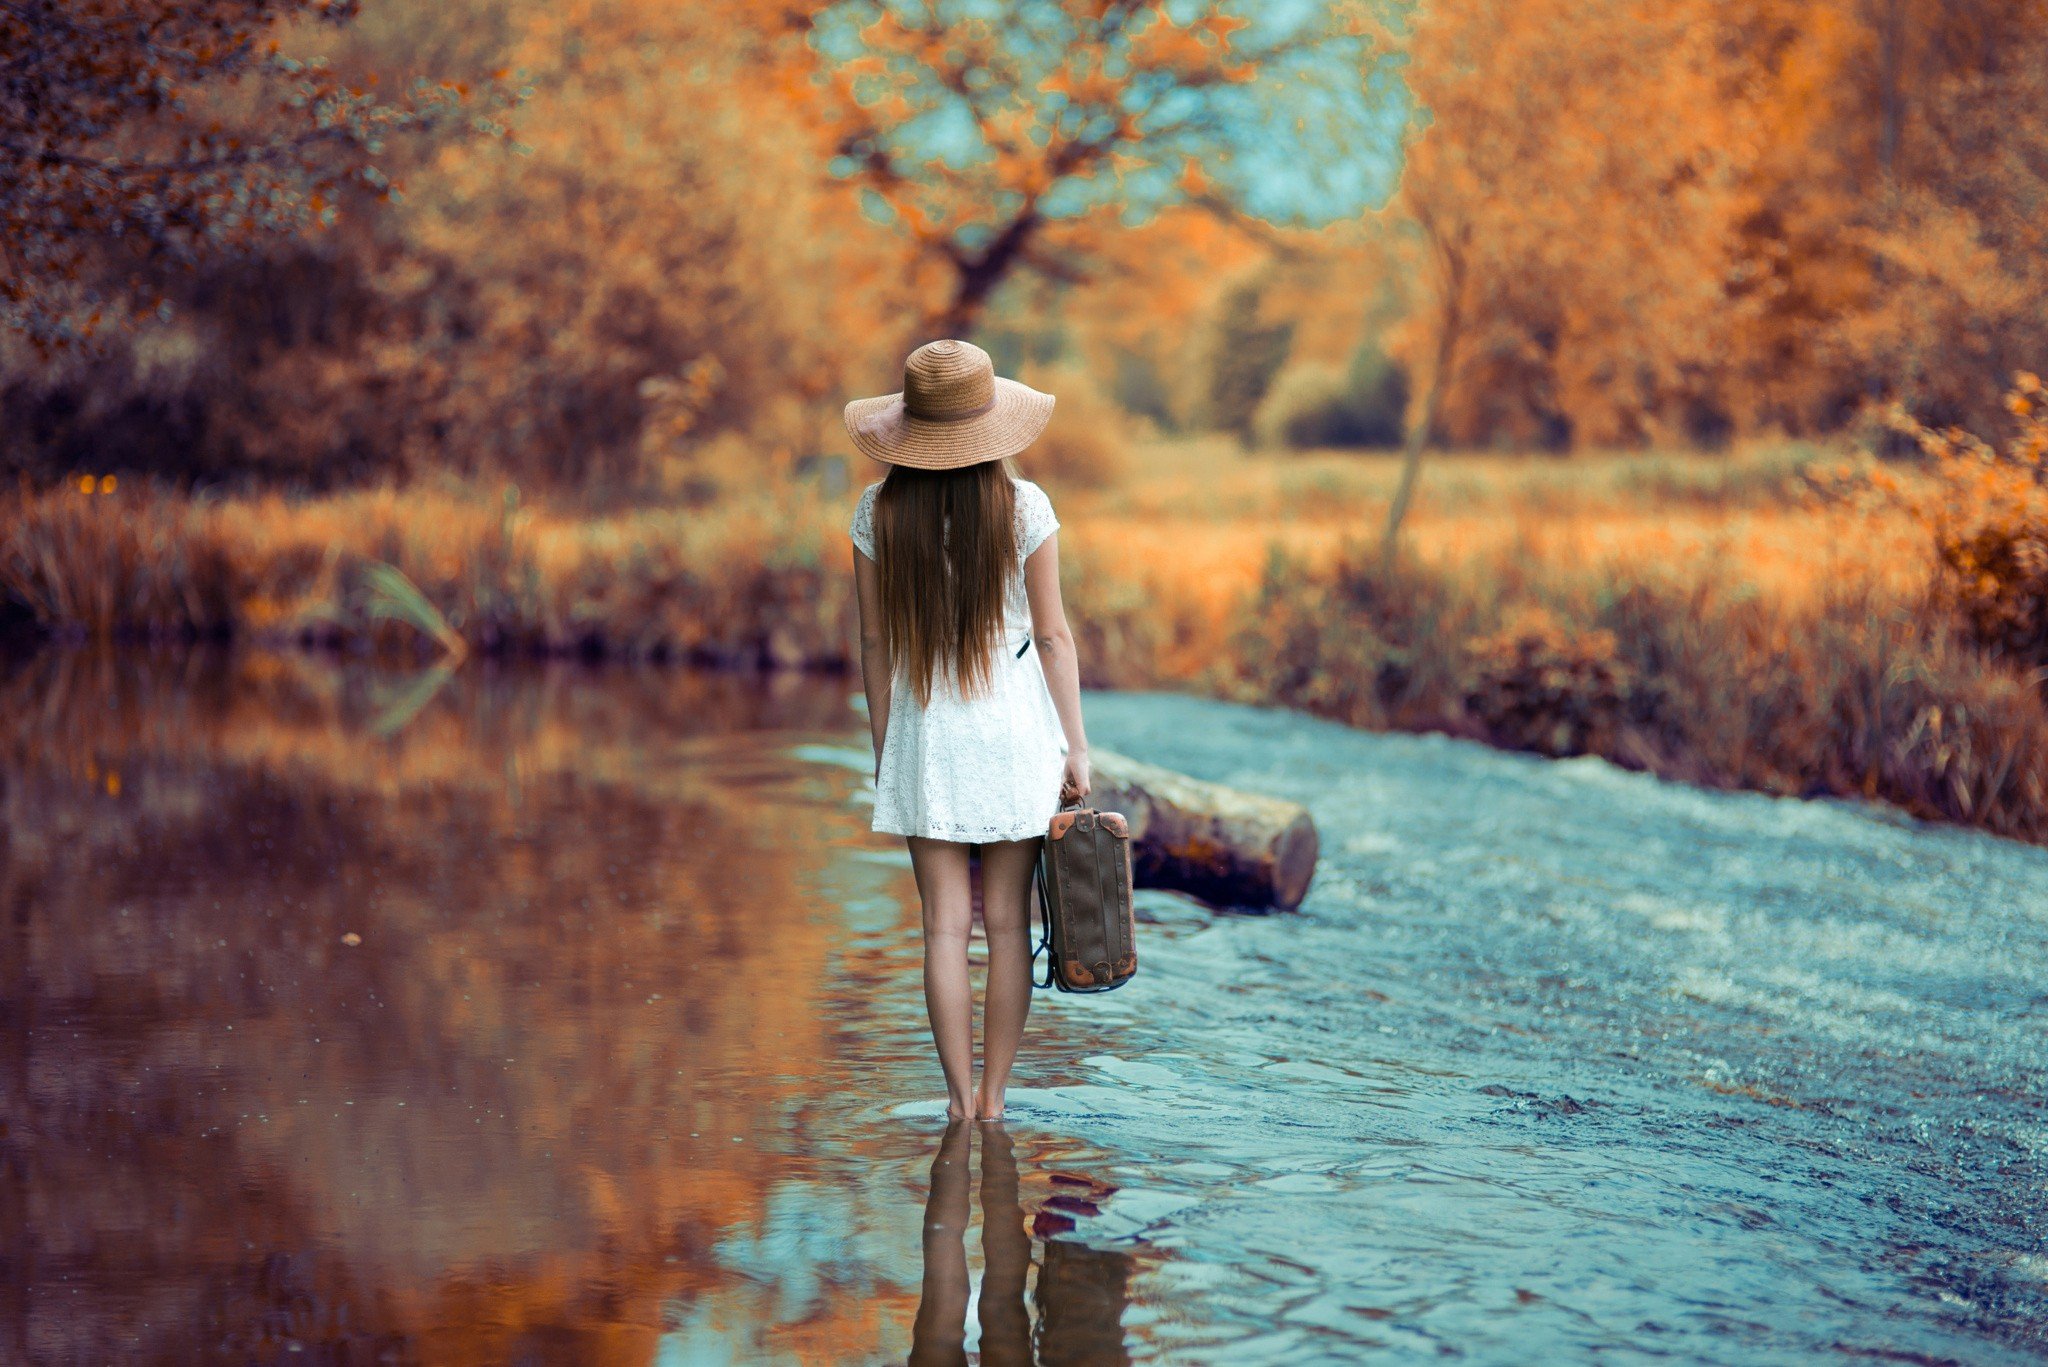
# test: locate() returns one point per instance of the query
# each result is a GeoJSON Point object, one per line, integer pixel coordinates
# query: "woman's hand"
{"type": "Point", "coordinates": [1075, 782]}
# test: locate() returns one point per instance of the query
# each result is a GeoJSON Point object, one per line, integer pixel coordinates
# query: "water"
{"type": "Point", "coordinates": [564, 1016]}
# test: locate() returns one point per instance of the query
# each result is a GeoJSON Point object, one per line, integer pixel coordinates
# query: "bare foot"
{"type": "Point", "coordinates": [957, 1110]}
{"type": "Point", "coordinates": [982, 1110]}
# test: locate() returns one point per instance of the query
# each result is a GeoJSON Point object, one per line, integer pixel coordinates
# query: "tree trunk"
{"type": "Point", "coordinates": [1418, 440]}
{"type": "Point", "coordinates": [961, 313]}
{"type": "Point", "coordinates": [1891, 90]}
{"type": "Point", "coordinates": [1226, 847]}
{"type": "Point", "coordinates": [1411, 466]}
{"type": "Point", "coordinates": [1451, 266]}
{"type": "Point", "coordinates": [976, 277]}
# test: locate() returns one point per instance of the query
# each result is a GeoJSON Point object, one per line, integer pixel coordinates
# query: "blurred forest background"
{"type": "Point", "coordinates": [506, 326]}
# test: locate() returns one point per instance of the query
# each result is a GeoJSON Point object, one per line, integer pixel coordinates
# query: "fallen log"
{"type": "Point", "coordinates": [1226, 847]}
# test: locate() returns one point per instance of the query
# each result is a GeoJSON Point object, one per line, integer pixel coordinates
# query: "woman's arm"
{"type": "Point", "coordinates": [875, 671]}
{"type": "Point", "coordinates": [1056, 656]}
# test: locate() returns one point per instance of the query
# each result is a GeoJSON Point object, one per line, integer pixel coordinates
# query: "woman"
{"type": "Point", "coordinates": [974, 698]}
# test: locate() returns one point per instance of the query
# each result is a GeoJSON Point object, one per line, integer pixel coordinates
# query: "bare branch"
{"type": "Point", "coordinates": [274, 150]}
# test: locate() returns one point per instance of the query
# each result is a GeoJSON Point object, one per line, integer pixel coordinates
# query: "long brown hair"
{"type": "Point", "coordinates": [945, 543]}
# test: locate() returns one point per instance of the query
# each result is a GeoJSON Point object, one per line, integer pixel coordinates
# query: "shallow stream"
{"type": "Point", "coordinates": [566, 1016]}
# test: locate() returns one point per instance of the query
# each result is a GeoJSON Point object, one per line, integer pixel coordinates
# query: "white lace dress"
{"type": "Point", "coordinates": [984, 768]}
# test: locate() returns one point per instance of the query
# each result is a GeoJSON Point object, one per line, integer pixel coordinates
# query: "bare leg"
{"type": "Point", "coordinates": [942, 881]}
{"type": "Point", "coordinates": [1006, 916]}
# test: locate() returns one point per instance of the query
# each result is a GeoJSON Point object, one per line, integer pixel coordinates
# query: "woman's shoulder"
{"type": "Point", "coordinates": [1035, 519]}
{"type": "Point", "coordinates": [1029, 494]}
{"type": "Point", "coordinates": [863, 526]}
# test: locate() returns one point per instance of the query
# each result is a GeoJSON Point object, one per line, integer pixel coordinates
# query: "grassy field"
{"type": "Point", "coordinates": [1197, 523]}
{"type": "Point", "coordinates": [1211, 502]}
{"type": "Point", "coordinates": [1729, 619]}
{"type": "Point", "coordinates": [1719, 618]}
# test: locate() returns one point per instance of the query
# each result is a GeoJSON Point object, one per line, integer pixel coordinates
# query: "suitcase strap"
{"type": "Point", "coordinates": [1045, 926]}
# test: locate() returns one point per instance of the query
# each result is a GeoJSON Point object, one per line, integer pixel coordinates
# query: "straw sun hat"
{"type": "Point", "coordinates": [953, 410]}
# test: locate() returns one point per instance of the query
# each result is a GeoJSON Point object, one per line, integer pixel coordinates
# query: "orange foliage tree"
{"type": "Point", "coordinates": [1987, 513]}
{"type": "Point", "coordinates": [120, 137]}
{"type": "Point", "coordinates": [1571, 183]}
{"type": "Point", "coordinates": [666, 261]}
{"type": "Point", "coordinates": [1017, 135]}
{"type": "Point", "coordinates": [1694, 218]}
{"type": "Point", "coordinates": [658, 263]}
{"type": "Point", "coordinates": [1895, 244]}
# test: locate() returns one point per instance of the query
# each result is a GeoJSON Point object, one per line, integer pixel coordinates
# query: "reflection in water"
{"type": "Point", "coordinates": [1082, 1291]}
{"type": "Point", "coordinates": [521, 1029]}
{"type": "Point", "coordinates": [941, 1330]}
{"type": "Point", "coordinates": [1006, 1254]}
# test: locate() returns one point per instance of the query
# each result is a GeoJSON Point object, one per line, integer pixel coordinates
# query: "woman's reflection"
{"type": "Point", "coordinates": [1006, 1253]}
{"type": "Point", "coordinates": [1081, 1291]}
{"type": "Point", "coordinates": [940, 1334]}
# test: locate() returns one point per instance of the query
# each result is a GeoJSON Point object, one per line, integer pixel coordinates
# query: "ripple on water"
{"type": "Point", "coordinates": [1553, 1061]}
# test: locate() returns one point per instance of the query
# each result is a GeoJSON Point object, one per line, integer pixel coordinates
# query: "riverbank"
{"type": "Point", "coordinates": [424, 570]}
{"type": "Point", "coordinates": [1698, 619]}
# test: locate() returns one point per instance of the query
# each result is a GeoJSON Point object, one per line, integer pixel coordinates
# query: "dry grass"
{"type": "Point", "coordinates": [1707, 618]}
{"type": "Point", "coordinates": [1214, 512]}
{"type": "Point", "coordinates": [1711, 618]}
{"type": "Point", "coordinates": [760, 582]}
{"type": "Point", "coordinates": [1850, 690]}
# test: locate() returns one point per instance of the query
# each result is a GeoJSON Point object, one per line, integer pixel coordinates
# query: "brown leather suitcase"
{"type": "Point", "coordinates": [1084, 890]}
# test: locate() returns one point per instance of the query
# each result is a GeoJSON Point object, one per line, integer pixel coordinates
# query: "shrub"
{"type": "Point", "coordinates": [1138, 387]}
{"type": "Point", "coordinates": [1359, 644]}
{"type": "Point", "coordinates": [1239, 354]}
{"type": "Point", "coordinates": [1857, 692]}
{"type": "Point", "coordinates": [1362, 406]}
{"type": "Point", "coordinates": [1988, 515]}
{"type": "Point", "coordinates": [1295, 412]}
{"type": "Point", "coordinates": [1540, 686]}
{"type": "Point", "coordinates": [1087, 443]}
